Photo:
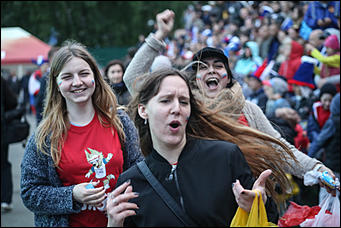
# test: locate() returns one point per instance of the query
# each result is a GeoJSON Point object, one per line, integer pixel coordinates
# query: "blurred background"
{"type": "Point", "coordinates": [107, 28]}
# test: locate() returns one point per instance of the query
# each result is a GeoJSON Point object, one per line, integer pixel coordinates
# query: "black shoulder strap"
{"type": "Point", "coordinates": [170, 202]}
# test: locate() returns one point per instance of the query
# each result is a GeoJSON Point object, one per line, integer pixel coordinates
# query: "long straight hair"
{"type": "Point", "coordinates": [260, 150]}
{"type": "Point", "coordinates": [53, 128]}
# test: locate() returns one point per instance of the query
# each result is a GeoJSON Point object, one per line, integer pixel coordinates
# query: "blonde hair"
{"type": "Point", "coordinates": [259, 149]}
{"type": "Point", "coordinates": [55, 123]}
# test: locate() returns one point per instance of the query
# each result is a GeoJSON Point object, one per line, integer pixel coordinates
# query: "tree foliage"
{"type": "Point", "coordinates": [94, 23]}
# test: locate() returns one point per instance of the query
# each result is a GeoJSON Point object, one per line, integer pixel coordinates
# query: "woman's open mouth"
{"type": "Point", "coordinates": [174, 126]}
{"type": "Point", "coordinates": [212, 83]}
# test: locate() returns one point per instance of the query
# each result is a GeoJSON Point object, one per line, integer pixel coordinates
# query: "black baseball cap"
{"type": "Point", "coordinates": [210, 52]}
{"type": "Point", "coordinates": [217, 53]}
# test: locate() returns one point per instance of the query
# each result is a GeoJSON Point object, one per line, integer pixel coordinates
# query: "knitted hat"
{"type": "Point", "coordinates": [304, 76]}
{"type": "Point", "coordinates": [332, 42]}
{"type": "Point", "coordinates": [278, 85]}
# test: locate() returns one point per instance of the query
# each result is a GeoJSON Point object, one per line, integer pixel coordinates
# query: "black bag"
{"type": "Point", "coordinates": [17, 127]}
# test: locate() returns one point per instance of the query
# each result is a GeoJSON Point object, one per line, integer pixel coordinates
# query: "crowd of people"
{"type": "Point", "coordinates": [271, 55]}
{"type": "Point", "coordinates": [252, 84]}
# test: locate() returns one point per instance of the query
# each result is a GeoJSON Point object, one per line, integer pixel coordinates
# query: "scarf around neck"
{"type": "Point", "coordinates": [230, 101]}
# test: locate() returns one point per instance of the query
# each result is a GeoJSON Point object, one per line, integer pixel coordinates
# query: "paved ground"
{"type": "Point", "coordinates": [20, 216]}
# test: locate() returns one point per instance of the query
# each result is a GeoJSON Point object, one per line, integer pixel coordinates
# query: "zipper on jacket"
{"type": "Point", "coordinates": [171, 175]}
{"type": "Point", "coordinates": [174, 176]}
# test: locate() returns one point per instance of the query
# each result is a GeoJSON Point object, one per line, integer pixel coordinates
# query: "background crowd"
{"type": "Point", "coordinates": [285, 55]}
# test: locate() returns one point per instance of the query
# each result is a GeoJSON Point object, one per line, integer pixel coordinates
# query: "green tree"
{"type": "Point", "coordinates": [94, 23]}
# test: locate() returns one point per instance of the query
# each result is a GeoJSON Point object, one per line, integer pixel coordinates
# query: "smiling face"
{"type": "Point", "coordinates": [76, 82]}
{"type": "Point", "coordinates": [212, 76]}
{"type": "Point", "coordinates": [168, 112]}
{"type": "Point", "coordinates": [115, 73]}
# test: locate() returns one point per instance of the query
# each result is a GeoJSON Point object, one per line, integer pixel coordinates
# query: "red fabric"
{"type": "Point", "coordinates": [289, 67]}
{"type": "Point", "coordinates": [300, 83]}
{"type": "Point", "coordinates": [322, 115]}
{"type": "Point", "coordinates": [243, 120]}
{"type": "Point", "coordinates": [260, 69]}
{"type": "Point", "coordinates": [75, 165]}
{"type": "Point", "coordinates": [37, 74]}
{"type": "Point", "coordinates": [266, 82]}
{"type": "Point", "coordinates": [301, 140]}
{"type": "Point", "coordinates": [296, 214]}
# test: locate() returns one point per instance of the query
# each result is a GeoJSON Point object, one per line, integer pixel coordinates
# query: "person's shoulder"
{"type": "Point", "coordinates": [130, 173]}
{"type": "Point", "coordinates": [123, 115]}
{"type": "Point", "coordinates": [249, 106]}
{"type": "Point", "coordinates": [213, 145]}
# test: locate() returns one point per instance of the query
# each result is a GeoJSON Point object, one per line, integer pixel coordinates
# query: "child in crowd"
{"type": "Point", "coordinates": [320, 111]}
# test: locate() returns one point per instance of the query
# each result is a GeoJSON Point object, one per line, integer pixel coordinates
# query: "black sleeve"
{"type": "Point", "coordinates": [9, 97]}
{"type": "Point", "coordinates": [271, 210]}
{"type": "Point", "coordinates": [244, 174]}
{"type": "Point", "coordinates": [39, 99]}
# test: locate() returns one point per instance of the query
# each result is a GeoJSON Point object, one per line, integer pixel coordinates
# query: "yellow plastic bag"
{"type": "Point", "coordinates": [257, 216]}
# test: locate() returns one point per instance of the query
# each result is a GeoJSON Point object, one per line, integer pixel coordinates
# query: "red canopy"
{"type": "Point", "coordinates": [18, 46]}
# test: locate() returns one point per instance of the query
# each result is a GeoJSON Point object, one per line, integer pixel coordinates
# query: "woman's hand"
{"type": "Point", "coordinates": [92, 196]}
{"type": "Point", "coordinates": [118, 207]}
{"type": "Point", "coordinates": [330, 172]}
{"type": "Point", "coordinates": [245, 197]}
{"type": "Point", "coordinates": [165, 23]}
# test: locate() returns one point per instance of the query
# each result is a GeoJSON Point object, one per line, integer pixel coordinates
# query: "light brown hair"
{"type": "Point", "coordinates": [55, 122]}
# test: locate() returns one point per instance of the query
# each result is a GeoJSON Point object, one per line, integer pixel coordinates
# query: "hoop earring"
{"type": "Point", "coordinates": [145, 121]}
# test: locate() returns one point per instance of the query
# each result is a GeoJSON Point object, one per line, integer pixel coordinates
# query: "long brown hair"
{"type": "Point", "coordinates": [55, 122]}
{"type": "Point", "coordinates": [259, 149]}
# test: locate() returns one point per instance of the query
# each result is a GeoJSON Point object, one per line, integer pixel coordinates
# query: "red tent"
{"type": "Point", "coordinates": [20, 47]}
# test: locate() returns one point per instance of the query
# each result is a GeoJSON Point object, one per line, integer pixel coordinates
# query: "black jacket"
{"type": "Point", "coordinates": [122, 94]}
{"type": "Point", "coordinates": [8, 102]}
{"type": "Point", "coordinates": [202, 180]}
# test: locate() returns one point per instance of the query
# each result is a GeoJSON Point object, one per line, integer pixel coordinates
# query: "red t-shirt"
{"type": "Point", "coordinates": [91, 153]}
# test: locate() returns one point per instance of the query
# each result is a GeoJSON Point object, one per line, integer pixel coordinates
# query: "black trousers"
{"type": "Point", "coordinates": [6, 175]}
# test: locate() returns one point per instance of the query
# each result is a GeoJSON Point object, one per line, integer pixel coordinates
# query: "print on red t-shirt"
{"type": "Point", "coordinates": [91, 153]}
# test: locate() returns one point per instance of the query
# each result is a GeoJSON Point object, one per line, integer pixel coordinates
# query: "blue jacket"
{"type": "Point", "coordinates": [328, 129]}
{"type": "Point", "coordinates": [245, 66]}
{"type": "Point", "coordinates": [316, 10]}
{"type": "Point", "coordinates": [42, 191]}
{"type": "Point", "coordinates": [259, 98]}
